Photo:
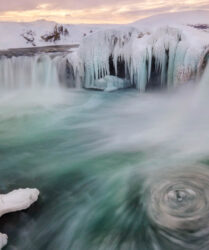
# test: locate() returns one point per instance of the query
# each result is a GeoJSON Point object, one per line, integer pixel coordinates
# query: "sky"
{"type": "Point", "coordinates": [93, 11]}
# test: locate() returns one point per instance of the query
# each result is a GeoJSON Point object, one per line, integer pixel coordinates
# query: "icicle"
{"type": "Point", "coordinates": [96, 50]}
{"type": "Point", "coordinates": [176, 60]}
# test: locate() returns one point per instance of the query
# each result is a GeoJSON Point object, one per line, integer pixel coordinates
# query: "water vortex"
{"type": "Point", "coordinates": [179, 205]}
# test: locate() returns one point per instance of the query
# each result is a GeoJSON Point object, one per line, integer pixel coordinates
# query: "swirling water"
{"type": "Point", "coordinates": [118, 170]}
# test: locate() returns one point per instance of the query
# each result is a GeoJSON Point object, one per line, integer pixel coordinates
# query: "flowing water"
{"type": "Point", "coordinates": [116, 171]}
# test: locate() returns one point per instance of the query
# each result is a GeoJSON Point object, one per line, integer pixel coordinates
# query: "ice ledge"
{"type": "Point", "coordinates": [15, 201]}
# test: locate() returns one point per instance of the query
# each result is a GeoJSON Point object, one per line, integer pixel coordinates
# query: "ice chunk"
{"type": "Point", "coordinates": [110, 83]}
{"type": "Point", "coordinates": [15, 201]}
{"type": "Point", "coordinates": [3, 240]}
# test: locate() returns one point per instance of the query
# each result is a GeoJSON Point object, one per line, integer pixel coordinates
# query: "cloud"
{"type": "Point", "coordinates": [138, 13]}
{"type": "Point", "coordinates": [11, 5]}
{"type": "Point", "coordinates": [91, 11]}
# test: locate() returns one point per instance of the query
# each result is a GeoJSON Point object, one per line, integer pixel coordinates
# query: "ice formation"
{"type": "Point", "coordinates": [110, 83]}
{"type": "Point", "coordinates": [172, 53]}
{"type": "Point", "coordinates": [15, 201]}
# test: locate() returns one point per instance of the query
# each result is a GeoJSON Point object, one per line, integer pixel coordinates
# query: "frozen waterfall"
{"type": "Point", "coordinates": [168, 55]}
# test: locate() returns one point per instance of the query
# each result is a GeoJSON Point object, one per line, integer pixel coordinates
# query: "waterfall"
{"type": "Point", "coordinates": [33, 71]}
{"type": "Point", "coordinates": [126, 56]}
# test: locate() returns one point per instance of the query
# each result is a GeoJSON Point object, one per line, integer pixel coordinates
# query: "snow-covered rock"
{"type": "Point", "coordinates": [43, 33]}
{"type": "Point", "coordinates": [15, 201]}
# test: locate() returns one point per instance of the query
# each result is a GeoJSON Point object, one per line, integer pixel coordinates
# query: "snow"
{"type": "Point", "coordinates": [173, 46]}
{"type": "Point", "coordinates": [174, 18]}
{"type": "Point", "coordinates": [3, 240]}
{"type": "Point", "coordinates": [12, 33]}
{"type": "Point", "coordinates": [15, 201]}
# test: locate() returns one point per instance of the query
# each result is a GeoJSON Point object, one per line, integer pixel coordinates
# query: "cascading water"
{"type": "Point", "coordinates": [178, 206]}
{"type": "Point", "coordinates": [32, 71]}
{"type": "Point", "coordinates": [116, 171]}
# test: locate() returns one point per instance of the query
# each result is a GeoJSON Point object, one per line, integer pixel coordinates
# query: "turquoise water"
{"type": "Point", "coordinates": [95, 157]}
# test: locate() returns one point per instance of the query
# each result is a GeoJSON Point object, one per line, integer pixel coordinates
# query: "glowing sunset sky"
{"type": "Point", "coordinates": [93, 11]}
